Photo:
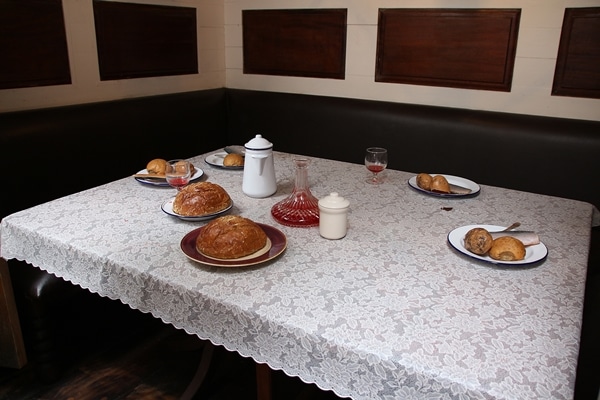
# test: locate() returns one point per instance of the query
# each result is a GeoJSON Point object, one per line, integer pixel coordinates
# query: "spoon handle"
{"type": "Point", "coordinates": [511, 227]}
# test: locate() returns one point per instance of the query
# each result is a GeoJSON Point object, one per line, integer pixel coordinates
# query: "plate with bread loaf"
{"type": "Point", "coordinates": [493, 244]}
{"type": "Point", "coordinates": [442, 185]}
{"type": "Point", "coordinates": [233, 241]}
{"type": "Point", "coordinates": [198, 201]}
{"type": "Point", "coordinates": [226, 160]}
{"type": "Point", "coordinates": [154, 173]}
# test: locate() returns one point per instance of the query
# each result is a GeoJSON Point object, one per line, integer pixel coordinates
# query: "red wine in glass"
{"type": "Point", "coordinates": [376, 162]}
{"type": "Point", "coordinates": [178, 173]}
{"type": "Point", "coordinates": [178, 182]}
{"type": "Point", "coordinates": [375, 168]}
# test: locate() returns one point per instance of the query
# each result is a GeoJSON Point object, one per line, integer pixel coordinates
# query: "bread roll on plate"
{"type": "Point", "coordinates": [439, 183]}
{"type": "Point", "coordinates": [424, 181]}
{"type": "Point", "coordinates": [233, 160]}
{"type": "Point", "coordinates": [478, 241]}
{"type": "Point", "coordinates": [158, 166]}
{"type": "Point", "coordinates": [507, 248]}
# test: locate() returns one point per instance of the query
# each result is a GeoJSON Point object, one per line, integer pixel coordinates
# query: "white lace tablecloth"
{"type": "Point", "coordinates": [391, 311]}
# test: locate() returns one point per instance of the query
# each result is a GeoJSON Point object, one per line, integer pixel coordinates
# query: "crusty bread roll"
{"type": "Point", "coordinates": [230, 237]}
{"type": "Point", "coordinates": [507, 248]}
{"type": "Point", "coordinates": [478, 241]}
{"type": "Point", "coordinates": [200, 199]}
{"type": "Point", "coordinates": [440, 184]}
{"type": "Point", "coordinates": [424, 181]}
{"type": "Point", "coordinates": [157, 166]}
{"type": "Point", "coordinates": [233, 160]}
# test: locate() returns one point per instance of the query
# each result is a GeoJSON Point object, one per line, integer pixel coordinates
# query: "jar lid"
{"type": "Point", "coordinates": [258, 143]}
{"type": "Point", "coordinates": [334, 201]}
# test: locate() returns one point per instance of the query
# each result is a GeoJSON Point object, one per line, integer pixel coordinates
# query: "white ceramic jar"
{"type": "Point", "coordinates": [333, 216]}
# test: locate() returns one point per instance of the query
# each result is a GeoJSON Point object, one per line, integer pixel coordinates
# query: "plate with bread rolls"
{"type": "Point", "coordinates": [442, 185]}
{"type": "Point", "coordinates": [233, 241]}
{"type": "Point", "coordinates": [154, 173]}
{"type": "Point", "coordinates": [491, 243]}
{"type": "Point", "coordinates": [226, 160]}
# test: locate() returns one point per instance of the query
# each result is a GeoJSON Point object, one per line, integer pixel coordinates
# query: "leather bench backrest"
{"type": "Point", "coordinates": [559, 157]}
{"type": "Point", "coordinates": [102, 142]}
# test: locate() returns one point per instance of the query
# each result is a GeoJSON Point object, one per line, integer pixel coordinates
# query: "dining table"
{"type": "Point", "coordinates": [396, 309]}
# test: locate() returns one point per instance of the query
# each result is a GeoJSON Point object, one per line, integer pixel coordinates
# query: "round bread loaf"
{"type": "Point", "coordinates": [440, 184]}
{"type": "Point", "coordinates": [478, 241]}
{"type": "Point", "coordinates": [157, 166]}
{"type": "Point", "coordinates": [200, 199]}
{"type": "Point", "coordinates": [507, 248]}
{"type": "Point", "coordinates": [233, 160]}
{"type": "Point", "coordinates": [424, 181]}
{"type": "Point", "coordinates": [230, 237]}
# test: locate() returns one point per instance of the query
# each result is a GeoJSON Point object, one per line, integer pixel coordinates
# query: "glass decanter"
{"type": "Point", "coordinates": [300, 208]}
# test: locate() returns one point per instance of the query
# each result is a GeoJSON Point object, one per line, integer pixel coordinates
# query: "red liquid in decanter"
{"type": "Point", "coordinates": [300, 208]}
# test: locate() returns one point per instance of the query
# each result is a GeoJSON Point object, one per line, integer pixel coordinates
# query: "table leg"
{"type": "Point", "coordinates": [198, 378]}
{"type": "Point", "coordinates": [263, 382]}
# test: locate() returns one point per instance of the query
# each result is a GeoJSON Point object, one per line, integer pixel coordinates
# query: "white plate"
{"type": "Point", "coordinates": [163, 182]}
{"type": "Point", "coordinates": [167, 207]}
{"type": "Point", "coordinates": [216, 160]}
{"type": "Point", "coordinates": [533, 254]}
{"type": "Point", "coordinates": [453, 180]}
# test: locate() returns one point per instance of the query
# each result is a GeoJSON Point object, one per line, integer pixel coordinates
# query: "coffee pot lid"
{"type": "Point", "coordinates": [334, 200]}
{"type": "Point", "coordinates": [258, 143]}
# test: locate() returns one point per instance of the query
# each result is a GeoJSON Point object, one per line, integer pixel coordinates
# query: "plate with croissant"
{"type": "Point", "coordinates": [491, 243]}
{"type": "Point", "coordinates": [442, 185]}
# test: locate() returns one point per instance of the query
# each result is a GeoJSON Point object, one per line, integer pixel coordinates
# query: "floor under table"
{"type": "Point", "coordinates": [135, 356]}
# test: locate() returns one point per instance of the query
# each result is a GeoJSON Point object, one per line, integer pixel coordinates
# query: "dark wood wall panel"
{"type": "Point", "coordinates": [577, 71]}
{"type": "Point", "coordinates": [304, 42]}
{"type": "Point", "coordinates": [33, 44]}
{"type": "Point", "coordinates": [141, 40]}
{"type": "Point", "coordinates": [460, 48]}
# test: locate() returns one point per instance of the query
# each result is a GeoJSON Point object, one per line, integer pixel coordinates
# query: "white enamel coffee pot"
{"type": "Point", "coordinates": [259, 169]}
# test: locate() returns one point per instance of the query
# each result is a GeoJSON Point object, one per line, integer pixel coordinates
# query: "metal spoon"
{"type": "Point", "coordinates": [511, 227]}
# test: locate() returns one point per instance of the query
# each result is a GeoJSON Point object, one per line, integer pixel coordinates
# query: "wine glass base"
{"type": "Point", "coordinates": [374, 180]}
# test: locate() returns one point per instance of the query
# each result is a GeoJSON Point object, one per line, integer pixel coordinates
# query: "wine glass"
{"type": "Point", "coordinates": [178, 173]}
{"type": "Point", "coordinates": [375, 161]}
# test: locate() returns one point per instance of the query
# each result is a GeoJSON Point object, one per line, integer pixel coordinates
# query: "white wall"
{"type": "Point", "coordinates": [221, 63]}
{"type": "Point", "coordinates": [86, 86]}
{"type": "Point", "coordinates": [539, 36]}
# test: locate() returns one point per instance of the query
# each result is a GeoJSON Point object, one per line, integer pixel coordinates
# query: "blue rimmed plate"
{"type": "Point", "coordinates": [216, 160]}
{"type": "Point", "coordinates": [452, 180]}
{"type": "Point", "coordinates": [533, 254]}
{"type": "Point", "coordinates": [167, 207]}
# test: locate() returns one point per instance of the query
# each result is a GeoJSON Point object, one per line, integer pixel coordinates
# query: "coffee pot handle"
{"type": "Point", "coordinates": [261, 164]}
